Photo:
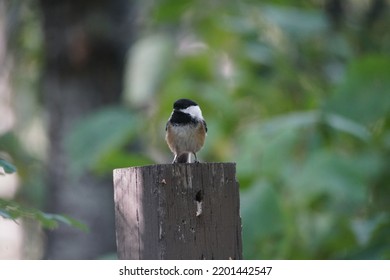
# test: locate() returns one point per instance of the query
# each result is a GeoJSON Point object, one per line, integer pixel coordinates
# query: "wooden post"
{"type": "Point", "coordinates": [178, 211]}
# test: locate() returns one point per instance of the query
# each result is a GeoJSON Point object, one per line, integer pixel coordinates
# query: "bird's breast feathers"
{"type": "Point", "coordinates": [186, 138]}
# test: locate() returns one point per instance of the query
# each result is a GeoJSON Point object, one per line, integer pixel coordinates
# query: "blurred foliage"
{"type": "Point", "coordinates": [95, 141]}
{"type": "Point", "coordinates": [296, 93]}
{"type": "Point", "coordinates": [13, 210]}
{"type": "Point", "coordinates": [301, 102]}
{"type": "Point", "coordinates": [25, 50]}
{"type": "Point", "coordinates": [7, 167]}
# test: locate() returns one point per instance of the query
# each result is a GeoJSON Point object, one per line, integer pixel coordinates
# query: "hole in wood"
{"type": "Point", "coordinates": [198, 199]}
{"type": "Point", "coordinates": [199, 196]}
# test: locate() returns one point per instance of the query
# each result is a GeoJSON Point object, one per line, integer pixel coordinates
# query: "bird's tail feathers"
{"type": "Point", "coordinates": [183, 158]}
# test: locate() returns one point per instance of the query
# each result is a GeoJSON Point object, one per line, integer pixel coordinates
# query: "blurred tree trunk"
{"type": "Point", "coordinates": [85, 48]}
{"type": "Point", "coordinates": [7, 117]}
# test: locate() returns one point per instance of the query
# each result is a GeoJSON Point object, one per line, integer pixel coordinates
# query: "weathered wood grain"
{"type": "Point", "coordinates": [178, 211]}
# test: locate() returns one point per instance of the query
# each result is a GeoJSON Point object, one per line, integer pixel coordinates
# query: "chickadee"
{"type": "Point", "coordinates": [185, 130]}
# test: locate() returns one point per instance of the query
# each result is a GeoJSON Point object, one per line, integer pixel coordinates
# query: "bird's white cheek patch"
{"type": "Point", "coordinates": [194, 111]}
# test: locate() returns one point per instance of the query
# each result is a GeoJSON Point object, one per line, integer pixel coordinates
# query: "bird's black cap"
{"type": "Point", "coordinates": [183, 104]}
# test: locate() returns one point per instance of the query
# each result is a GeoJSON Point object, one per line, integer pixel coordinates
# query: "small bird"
{"type": "Point", "coordinates": [186, 130]}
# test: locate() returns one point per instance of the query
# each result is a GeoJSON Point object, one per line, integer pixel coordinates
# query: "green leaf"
{"type": "Point", "coordinates": [8, 167]}
{"type": "Point", "coordinates": [335, 181]}
{"type": "Point", "coordinates": [262, 218]}
{"type": "Point", "coordinates": [146, 67]}
{"type": "Point", "coordinates": [97, 135]}
{"type": "Point", "coordinates": [12, 210]}
{"type": "Point", "coordinates": [46, 220]}
{"type": "Point", "coordinates": [118, 159]}
{"type": "Point", "coordinates": [348, 126]}
{"type": "Point", "coordinates": [299, 23]}
{"type": "Point", "coordinates": [68, 221]}
{"type": "Point", "coordinates": [171, 10]}
{"type": "Point", "coordinates": [5, 214]}
{"type": "Point", "coordinates": [364, 95]}
{"type": "Point", "coordinates": [378, 246]}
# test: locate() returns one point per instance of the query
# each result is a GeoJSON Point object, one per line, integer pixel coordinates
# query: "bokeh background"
{"type": "Point", "coordinates": [297, 93]}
